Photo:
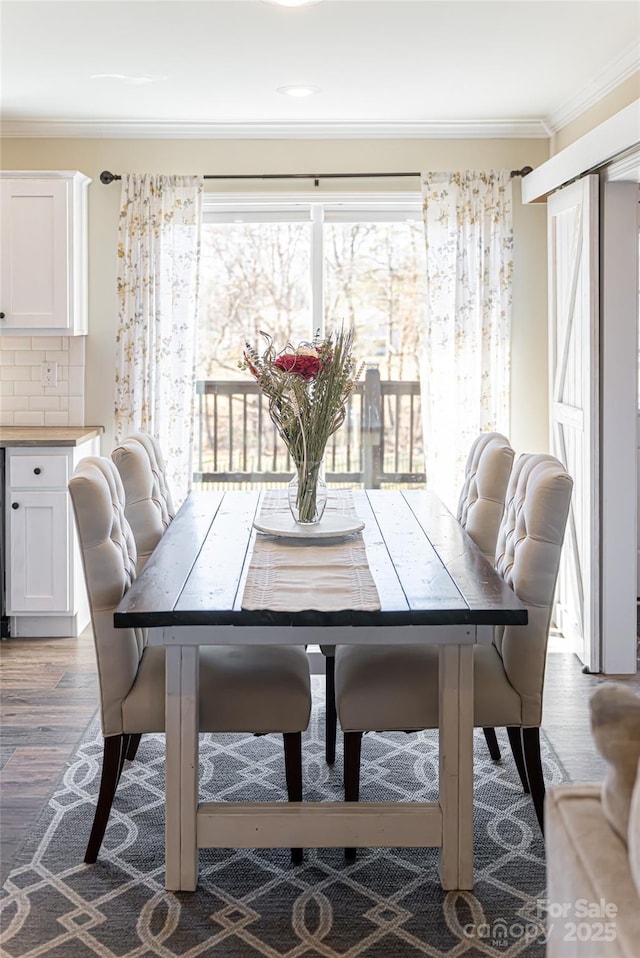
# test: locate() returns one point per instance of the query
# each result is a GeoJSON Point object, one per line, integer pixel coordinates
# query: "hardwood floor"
{"type": "Point", "coordinates": [48, 694]}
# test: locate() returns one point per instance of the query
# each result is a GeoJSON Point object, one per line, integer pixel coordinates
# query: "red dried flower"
{"type": "Point", "coordinates": [306, 366]}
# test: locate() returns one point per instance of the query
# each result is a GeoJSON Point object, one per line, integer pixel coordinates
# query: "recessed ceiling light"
{"type": "Point", "coordinates": [125, 78]}
{"type": "Point", "coordinates": [292, 3]}
{"type": "Point", "coordinates": [298, 89]}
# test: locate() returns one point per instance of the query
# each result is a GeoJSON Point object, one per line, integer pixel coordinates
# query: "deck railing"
{"type": "Point", "coordinates": [380, 442]}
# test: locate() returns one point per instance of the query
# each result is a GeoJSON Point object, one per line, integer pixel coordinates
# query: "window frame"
{"type": "Point", "coordinates": [316, 209]}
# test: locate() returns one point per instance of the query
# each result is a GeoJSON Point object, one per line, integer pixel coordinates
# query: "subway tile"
{"type": "Point", "coordinates": [44, 403]}
{"type": "Point", "coordinates": [76, 350]}
{"type": "Point", "coordinates": [56, 419]}
{"type": "Point", "coordinates": [7, 389]}
{"type": "Point", "coordinates": [59, 356]}
{"type": "Point", "coordinates": [61, 389]}
{"type": "Point", "coordinates": [36, 374]}
{"type": "Point", "coordinates": [30, 418]}
{"type": "Point", "coordinates": [64, 402]}
{"type": "Point", "coordinates": [7, 357]}
{"type": "Point", "coordinates": [76, 380]}
{"type": "Point", "coordinates": [29, 389]}
{"type": "Point", "coordinates": [15, 342]}
{"type": "Point", "coordinates": [28, 357]}
{"type": "Point", "coordinates": [13, 404]}
{"type": "Point", "coordinates": [14, 373]}
{"type": "Point", "coordinates": [6, 418]}
{"type": "Point", "coordinates": [76, 411]}
{"type": "Point", "coordinates": [51, 342]}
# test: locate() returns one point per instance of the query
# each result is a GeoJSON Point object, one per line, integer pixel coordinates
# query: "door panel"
{"type": "Point", "coordinates": [38, 564]}
{"type": "Point", "coordinates": [574, 370]}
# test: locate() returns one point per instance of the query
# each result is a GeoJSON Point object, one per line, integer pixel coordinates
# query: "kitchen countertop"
{"type": "Point", "coordinates": [48, 435]}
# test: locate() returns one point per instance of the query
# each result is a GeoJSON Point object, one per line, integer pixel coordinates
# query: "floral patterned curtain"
{"type": "Point", "coordinates": [465, 345]}
{"type": "Point", "coordinates": [158, 258]}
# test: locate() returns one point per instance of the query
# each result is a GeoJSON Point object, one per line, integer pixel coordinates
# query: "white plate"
{"type": "Point", "coordinates": [329, 527]}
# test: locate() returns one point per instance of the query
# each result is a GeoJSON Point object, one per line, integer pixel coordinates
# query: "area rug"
{"type": "Point", "coordinates": [387, 904]}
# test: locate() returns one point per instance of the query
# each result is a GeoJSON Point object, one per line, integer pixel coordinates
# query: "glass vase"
{"type": "Point", "coordinates": [308, 492]}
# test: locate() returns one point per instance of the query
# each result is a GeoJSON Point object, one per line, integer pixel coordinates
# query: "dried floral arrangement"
{"type": "Point", "coordinates": [307, 387]}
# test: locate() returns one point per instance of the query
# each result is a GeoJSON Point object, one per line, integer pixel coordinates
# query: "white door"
{"type": "Point", "coordinates": [573, 374]}
{"type": "Point", "coordinates": [38, 547]}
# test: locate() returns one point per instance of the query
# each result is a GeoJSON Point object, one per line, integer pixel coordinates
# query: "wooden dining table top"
{"type": "Point", "coordinates": [426, 568]}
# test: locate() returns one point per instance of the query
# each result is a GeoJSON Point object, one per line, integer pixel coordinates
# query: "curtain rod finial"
{"type": "Point", "coordinates": [106, 177]}
{"type": "Point", "coordinates": [523, 172]}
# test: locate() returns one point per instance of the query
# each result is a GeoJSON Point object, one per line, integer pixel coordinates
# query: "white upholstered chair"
{"type": "Point", "coordinates": [149, 505]}
{"type": "Point", "coordinates": [480, 509]}
{"type": "Point", "coordinates": [390, 688]}
{"type": "Point", "coordinates": [486, 478]}
{"type": "Point", "coordinates": [242, 689]}
{"type": "Point", "coordinates": [481, 505]}
{"type": "Point", "coordinates": [148, 508]}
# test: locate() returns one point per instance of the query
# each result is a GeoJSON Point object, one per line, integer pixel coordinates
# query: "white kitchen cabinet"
{"type": "Point", "coordinates": [45, 592]}
{"type": "Point", "coordinates": [39, 538]}
{"type": "Point", "coordinates": [43, 253]}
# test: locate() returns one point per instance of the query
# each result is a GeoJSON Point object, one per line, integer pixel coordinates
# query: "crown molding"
{"type": "Point", "coordinates": [160, 129]}
{"type": "Point", "coordinates": [618, 70]}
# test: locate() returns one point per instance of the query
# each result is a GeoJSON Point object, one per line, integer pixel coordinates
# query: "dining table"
{"type": "Point", "coordinates": [425, 582]}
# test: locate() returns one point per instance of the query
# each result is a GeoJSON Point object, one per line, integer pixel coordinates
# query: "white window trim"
{"type": "Point", "coordinates": [316, 209]}
{"type": "Point", "coordinates": [388, 204]}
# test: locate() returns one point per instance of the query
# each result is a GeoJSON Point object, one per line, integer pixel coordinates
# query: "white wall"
{"type": "Point", "coordinates": [529, 420]}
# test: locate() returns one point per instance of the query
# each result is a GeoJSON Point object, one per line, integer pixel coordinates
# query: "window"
{"type": "Point", "coordinates": [290, 268]}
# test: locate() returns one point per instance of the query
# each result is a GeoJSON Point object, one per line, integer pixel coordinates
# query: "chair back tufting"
{"type": "Point", "coordinates": [528, 557]}
{"type": "Point", "coordinates": [149, 505]}
{"type": "Point", "coordinates": [486, 478]}
{"type": "Point", "coordinates": [109, 559]}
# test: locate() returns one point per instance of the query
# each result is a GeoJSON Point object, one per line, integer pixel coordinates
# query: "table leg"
{"type": "Point", "coordinates": [456, 766]}
{"type": "Point", "coordinates": [181, 767]}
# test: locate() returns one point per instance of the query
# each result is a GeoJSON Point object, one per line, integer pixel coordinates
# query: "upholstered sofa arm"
{"type": "Point", "coordinates": [592, 900]}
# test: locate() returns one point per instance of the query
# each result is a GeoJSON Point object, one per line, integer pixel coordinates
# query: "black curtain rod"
{"type": "Point", "coordinates": [106, 177]}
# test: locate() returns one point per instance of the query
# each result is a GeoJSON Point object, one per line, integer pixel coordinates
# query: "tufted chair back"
{"type": "Point", "coordinates": [486, 478]}
{"type": "Point", "coordinates": [528, 557]}
{"type": "Point", "coordinates": [149, 506]}
{"type": "Point", "coordinates": [109, 559]}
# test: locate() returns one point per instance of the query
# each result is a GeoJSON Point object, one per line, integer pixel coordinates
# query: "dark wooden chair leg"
{"type": "Point", "coordinates": [533, 766]}
{"type": "Point", "coordinates": [352, 750]}
{"type": "Point", "coordinates": [331, 719]}
{"type": "Point", "coordinates": [492, 743]}
{"type": "Point", "coordinates": [111, 764]}
{"type": "Point", "coordinates": [515, 741]}
{"type": "Point", "coordinates": [126, 741]}
{"type": "Point", "coordinates": [293, 774]}
{"type": "Point", "coordinates": [134, 742]}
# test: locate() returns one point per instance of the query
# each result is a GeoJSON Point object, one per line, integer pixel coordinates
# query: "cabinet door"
{"type": "Point", "coordinates": [35, 241]}
{"type": "Point", "coordinates": [39, 551]}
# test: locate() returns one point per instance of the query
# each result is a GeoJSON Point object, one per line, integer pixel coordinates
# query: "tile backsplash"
{"type": "Point", "coordinates": [25, 400]}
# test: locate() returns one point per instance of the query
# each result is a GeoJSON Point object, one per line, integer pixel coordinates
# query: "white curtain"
{"type": "Point", "coordinates": [465, 344]}
{"type": "Point", "coordinates": [158, 258]}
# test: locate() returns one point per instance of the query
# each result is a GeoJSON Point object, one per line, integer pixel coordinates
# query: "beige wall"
{"type": "Point", "coordinates": [529, 341]}
{"type": "Point", "coordinates": [608, 106]}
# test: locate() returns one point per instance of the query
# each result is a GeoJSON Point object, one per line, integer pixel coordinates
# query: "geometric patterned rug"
{"type": "Point", "coordinates": [387, 904]}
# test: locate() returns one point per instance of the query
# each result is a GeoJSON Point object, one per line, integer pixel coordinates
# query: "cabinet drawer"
{"type": "Point", "coordinates": [38, 472]}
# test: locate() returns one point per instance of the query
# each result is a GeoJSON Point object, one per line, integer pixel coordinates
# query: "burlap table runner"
{"type": "Point", "coordinates": [291, 575]}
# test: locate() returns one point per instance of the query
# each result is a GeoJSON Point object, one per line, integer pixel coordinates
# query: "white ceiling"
{"type": "Point", "coordinates": [394, 67]}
